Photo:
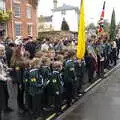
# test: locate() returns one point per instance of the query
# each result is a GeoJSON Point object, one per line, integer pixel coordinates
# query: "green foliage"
{"type": "Point", "coordinates": [5, 16]}
{"type": "Point", "coordinates": [113, 27]}
{"type": "Point", "coordinates": [64, 26]}
{"type": "Point", "coordinates": [106, 26]}
{"type": "Point", "coordinates": [91, 26]}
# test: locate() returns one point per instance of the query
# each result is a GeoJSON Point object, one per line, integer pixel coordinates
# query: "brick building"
{"type": "Point", "coordinates": [24, 18]}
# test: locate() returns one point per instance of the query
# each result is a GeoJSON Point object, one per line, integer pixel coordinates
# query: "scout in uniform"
{"type": "Point", "coordinates": [101, 57]}
{"type": "Point", "coordinates": [79, 74]}
{"type": "Point", "coordinates": [69, 76]}
{"type": "Point", "coordinates": [45, 71]}
{"type": "Point", "coordinates": [91, 61]}
{"type": "Point", "coordinates": [34, 87]}
{"type": "Point", "coordinates": [56, 84]}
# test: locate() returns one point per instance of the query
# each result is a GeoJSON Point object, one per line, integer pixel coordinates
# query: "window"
{"type": "Point", "coordinates": [29, 12]}
{"type": "Point", "coordinates": [2, 4]}
{"type": "Point", "coordinates": [17, 10]}
{"type": "Point", "coordinates": [18, 29]}
{"type": "Point", "coordinates": [63, 12]}
{"type": "Point", "coordinates": [30, 29]}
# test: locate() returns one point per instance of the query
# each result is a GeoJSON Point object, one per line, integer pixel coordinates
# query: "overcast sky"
{"type": "Point", "coordinates": [93, 8]}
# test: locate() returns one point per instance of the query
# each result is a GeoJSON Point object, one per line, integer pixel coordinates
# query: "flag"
{"type": "Point", "coordinates": [101, 21]}
{"type": "Point", "coordinates": [81, 33]}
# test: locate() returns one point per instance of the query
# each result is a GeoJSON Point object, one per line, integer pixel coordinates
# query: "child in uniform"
{"type": "Point", "coordinates": [69, 76]}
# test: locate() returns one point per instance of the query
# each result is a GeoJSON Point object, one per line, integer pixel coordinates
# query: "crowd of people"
{"type": "Point", "coordinates": [48, 74]}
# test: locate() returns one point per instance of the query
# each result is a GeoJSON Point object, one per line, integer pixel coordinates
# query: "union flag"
{"type": "Point", "coordinates": [101, 21]}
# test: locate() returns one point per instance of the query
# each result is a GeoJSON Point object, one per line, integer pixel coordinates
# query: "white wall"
{"type": "Point", "coordinates": [46, 26]}
{"type": "Point", "coordinates": [71, 17]}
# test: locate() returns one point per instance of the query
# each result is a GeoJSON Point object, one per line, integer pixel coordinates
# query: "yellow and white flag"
{"type": "Point", "coordinates": [81, 33]}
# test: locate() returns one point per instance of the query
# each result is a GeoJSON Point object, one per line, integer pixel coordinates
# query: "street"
{"type": "Point", "coordinates": [102, 103]}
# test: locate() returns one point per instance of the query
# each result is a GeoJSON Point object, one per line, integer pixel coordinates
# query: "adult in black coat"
{"type": "Point", "coordinates": [3, 83]}
{"type": "Point", "coordinates": [31, 47]}
{"type": "Point", "coordinates": [9, 52]}
{"type": "Point", "coordinates": [118, 47]}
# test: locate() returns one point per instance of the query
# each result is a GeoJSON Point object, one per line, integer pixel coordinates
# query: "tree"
{"type": "Point", "coordinates": [113, 26]}
{"type": "Point", "coordinates": [106, 26]}
{"type": "Point", "coordinates": [91, 26]}
{"type": "Point", "coordinates": [5, 16]}
{"type": "Point", "coordinates": [64, 26]}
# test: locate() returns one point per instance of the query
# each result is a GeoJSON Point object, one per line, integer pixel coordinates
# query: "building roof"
{"type": "Point", "coordinates": [45, 19]}
{"type": "Point", "coordinates": [65, 7]}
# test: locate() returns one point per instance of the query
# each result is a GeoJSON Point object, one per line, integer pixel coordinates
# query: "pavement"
{"type": "Point", "coordinates": [100, 103]}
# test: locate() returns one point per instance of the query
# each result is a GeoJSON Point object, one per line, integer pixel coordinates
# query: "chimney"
{"type": "Point", "coordinates": [55, 4]}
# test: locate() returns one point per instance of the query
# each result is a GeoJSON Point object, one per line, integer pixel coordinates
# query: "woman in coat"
{"type": "Point", "coordinates": [3, 82]}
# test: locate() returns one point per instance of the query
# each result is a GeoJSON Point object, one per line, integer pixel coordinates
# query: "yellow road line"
{"type": "Point", "coordinates": [51, 116]}
{"type": "Point", "coordinates": [86, 90]}
{"type": "Point", "coordinates": [63, 107]}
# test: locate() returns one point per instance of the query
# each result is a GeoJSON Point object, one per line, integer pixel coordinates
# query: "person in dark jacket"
{"type": "Point", "coordinates": [118, 47]}
{"type": "Point", "coordinates": [69, 76]}
{"type": "Point", "coordinates": [3, 83]}
{"type": "Point", "coordinates": [9, 52]}
{"type": "Point", "coordinates": [17, 63]}
{"type": "Point", "coordinates": [114, 52]}
{"type": "Point", "coordinates": [30, 47]}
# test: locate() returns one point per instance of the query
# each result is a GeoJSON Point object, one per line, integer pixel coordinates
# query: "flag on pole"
{"type": "Point", "coordinates": [101, 21]}
{"type": "Point", "coordinates": [81, 33]}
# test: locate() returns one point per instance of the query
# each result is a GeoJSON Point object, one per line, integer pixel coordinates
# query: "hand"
{"type": "Point", "coordinates": [9, 79]}
{"type": "Point", "coordinates": [20, 86]}
{"type": "Point", "coordinates": [9, 69]}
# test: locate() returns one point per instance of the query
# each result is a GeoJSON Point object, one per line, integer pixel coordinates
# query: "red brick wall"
{"type": "Point", "coordinates": [23, 19]}
{"type": "Point", "coordinates": [9, 25]}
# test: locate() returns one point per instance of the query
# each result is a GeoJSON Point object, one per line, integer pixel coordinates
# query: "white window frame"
{"type": "Point", "coordinates": [18, 23]}
{"type": "Point", "coordinates": [2, 5]}
{"type": "Point", "coordinates": [17, 2]}
{"type": "Point", "coordinates": [29, 11]}
{"type": "Point", "coordinates": [31, 29]}
{"type": "Point", "coordinates": [15, 10]}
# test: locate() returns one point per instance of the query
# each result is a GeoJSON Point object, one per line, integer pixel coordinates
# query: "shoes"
{"type": "Point", "coordinates": [21, 111]}
{"type": "Point", "coordinates": [8, 109]}
{"type": "Point", "coordinates": [47, 109]}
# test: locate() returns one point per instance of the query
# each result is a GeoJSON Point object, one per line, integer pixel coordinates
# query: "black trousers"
{"type": "Point", "coordinates": [45, 97]}
{"type": "Point", "coordinates": [80, 82]}
{"type": "Point", "coordinates": [90, 74]}
{"type": "Point", "coordinates": [100, 68]}
{"type": "Point", "coordinates": [3, 95]}
{"type": "Point", "coordinates": [107, 63]}
{"type": "Point", "coordinates": [118, 52]}
{"type": "Point", "coordinates": [114, 55]}
{"type": "Point", "coordinates": [20, 96]}
{"type": "Point", "coordinates": [7, 96]}
{"type": "Point", "coordinates": [58, 102]}
{"type": "Point", "coordinates": [0, 115]}
{"type": "Point", "coordinates": [34, 103]}
{"type": "Point", "coordinates": [69, 92]}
